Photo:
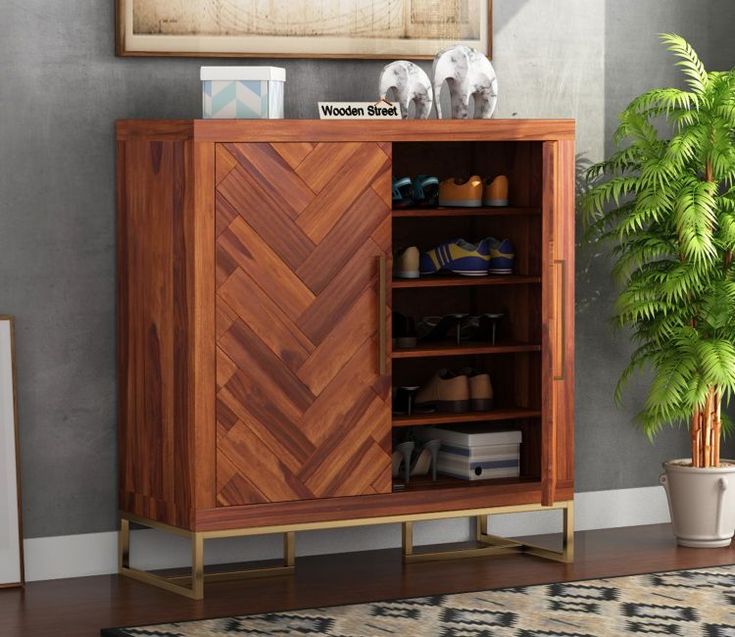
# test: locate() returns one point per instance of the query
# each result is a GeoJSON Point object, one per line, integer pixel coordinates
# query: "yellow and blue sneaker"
{"type": "Point", "coordinates": [457, 256]}
{"type": "Point", "coordinates": [501, 255]}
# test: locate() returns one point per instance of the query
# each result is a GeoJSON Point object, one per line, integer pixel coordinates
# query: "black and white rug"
{"type": "Point", "coordinates": [692, 603]}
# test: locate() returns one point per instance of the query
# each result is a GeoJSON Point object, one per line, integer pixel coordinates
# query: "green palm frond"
{"type": "Point", "coordinates": [665, 199]}
{"type": "Point", "coordinates": [689, 62]}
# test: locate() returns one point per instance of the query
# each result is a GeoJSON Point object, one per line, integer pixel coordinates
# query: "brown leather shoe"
{"type": "Point", "coordinates": [481, 389]}
{"type": "Point", "coordinates": [446, 391]}
{"type": "Point", "coordinates": [481, 392]}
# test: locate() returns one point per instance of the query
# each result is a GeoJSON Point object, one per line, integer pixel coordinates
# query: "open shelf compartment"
{"type": "Point", "coordinates": [513, 359]}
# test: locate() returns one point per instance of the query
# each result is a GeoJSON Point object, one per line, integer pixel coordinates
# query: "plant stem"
{"type": "Point", "coordinates": [696, 427]}
{"type": "Point", "coordinates": [707, 430]}
{"type": "Point", "coordinates": [717, 433]}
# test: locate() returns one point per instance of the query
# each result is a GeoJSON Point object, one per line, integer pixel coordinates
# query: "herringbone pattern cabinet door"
{"type": "Point", "coordinates": [302, 411]}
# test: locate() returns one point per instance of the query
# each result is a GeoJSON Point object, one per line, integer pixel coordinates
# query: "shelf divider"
{"type": "Point", "coordinates": [506, 413]}
{"type": "Point", "coordinates": [441, 280]}
{"type": "Point", "coordinates": [466, 349]}
{"type": "Point", "coordinates": [414, 213]}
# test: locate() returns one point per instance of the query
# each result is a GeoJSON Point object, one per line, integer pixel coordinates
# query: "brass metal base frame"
{"type": "Point", "coordinates": [192, 586]}
{"type": "Point", "coordinates": [488, 544]}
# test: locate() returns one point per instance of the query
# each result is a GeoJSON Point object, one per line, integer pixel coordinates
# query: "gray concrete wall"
{"type": "Point", "coordinates": [61, 88]}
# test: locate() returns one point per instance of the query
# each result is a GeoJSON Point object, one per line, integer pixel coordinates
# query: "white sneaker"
{"type": "Point", "coordinates": [406, 264]}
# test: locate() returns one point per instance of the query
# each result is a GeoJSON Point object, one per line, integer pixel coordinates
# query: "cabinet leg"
{"type": "Point", "coordinates": [123, 543]}
{"type": "Point", "coordinates": [289, 549]}
{"type": "Point", "coordinates": [407, 538]}
{"type": "Point", "coordinates": [192, 585]}
{"type": "Point", "coordinates": [197, 566]}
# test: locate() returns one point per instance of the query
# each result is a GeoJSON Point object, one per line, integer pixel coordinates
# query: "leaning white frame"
{"type": "Point", "coordinates": [11, 534]}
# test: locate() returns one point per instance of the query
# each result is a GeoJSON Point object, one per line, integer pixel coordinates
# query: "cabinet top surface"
{"type": "Point", "coordinates": [285, 130]}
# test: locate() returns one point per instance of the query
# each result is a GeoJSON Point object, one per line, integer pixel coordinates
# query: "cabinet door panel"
{"type": "Point", "coordinates": [302, 410]}
{"type": "Point", "coordinates": [557, 463]}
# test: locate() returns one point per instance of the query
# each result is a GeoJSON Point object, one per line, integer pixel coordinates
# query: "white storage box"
{"type": "Point", "coordinates": [242, 92]}
{"type": "Point", "coordinates": [477, 452]}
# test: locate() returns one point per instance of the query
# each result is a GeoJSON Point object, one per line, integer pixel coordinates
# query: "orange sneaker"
{"type": "Point", "coordinates": [496, 191]}
{"type": "Point", "coordinates": [461, 194]}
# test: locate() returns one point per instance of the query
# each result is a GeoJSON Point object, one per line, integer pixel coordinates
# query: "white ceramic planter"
{"type": "Point", "coordinates": [701, 502]}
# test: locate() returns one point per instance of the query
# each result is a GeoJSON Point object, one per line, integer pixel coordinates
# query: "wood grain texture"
{"type": "Point", "coordinates": [247, 297]}
{"type": "Point", "coordinates": [399, 503]}
{"type": "Point", "coordinates": [444, 281]}
{"type": "Point", "coordinates": [303, 412]}
{"type": "Point", "coordinates": [155, 329]}
{"type": "Point", "coordinates": [565, 246]}
{"type": "Point", "coordinates": [201, 312]}
{"type": "Point", "coordinates": [549, 322]}
{"type": "Point", "coordinates": [306, 130]}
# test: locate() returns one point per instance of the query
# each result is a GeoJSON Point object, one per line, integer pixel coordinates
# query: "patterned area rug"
{"type": "Point", "coordinates": [699, 603]}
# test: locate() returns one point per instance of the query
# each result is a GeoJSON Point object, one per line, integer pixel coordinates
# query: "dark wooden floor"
{"type": "Point", "coordinates": [81, 607]}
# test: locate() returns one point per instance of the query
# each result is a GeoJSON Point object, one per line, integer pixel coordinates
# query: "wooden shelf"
{"type": "Point", "coordinates": [465, 349]}
{"type": "Point", "coordinates": [414, 213]}
{"type": "Point", "coordinates": [425, 483]}
{"type": "Point", "coordinates": [443, 418]}
{"type": "Point", "coordinates": [440, 281]}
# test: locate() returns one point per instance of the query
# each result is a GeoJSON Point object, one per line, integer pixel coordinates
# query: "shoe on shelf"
{"type": "Point", "coordinates": [407, 264]}
{"type": "Point", "coordinates": [461, 193]}
{"type": "Point", "coordinates": [402, 192]}
{"type": "Point", "coordinates": [480, 328]}
{"type": "Point", "coordinates": [481, 390]}
{"type": "Point", "coordinates": [501, 256]}
{"type": "Point", "coordinates": [457, 256]}
{"type": "Point", "coordinates": [426, 191]}
{"type": "Point", "coordinates": [404, 330]}
{"type": "Point", "coordinates": [440, 328]}
{"type": "Point", "coordinates": [404, 401]}
{"type": "Point", "coordinates": [402, 459]}
{"type": "Point", "coordinates": [445, 392]}
{"type": "Point", "coordinates": [495, 192]}
{"type": "Point", "coordinates": [425, 459]}
{"type": "Point", "coordinates": [488, 326]}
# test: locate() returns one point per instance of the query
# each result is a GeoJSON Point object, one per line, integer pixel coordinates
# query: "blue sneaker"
{"type": "Point", "coordinates": [501, 255]}
{"type": "Point", "coordinates": [458, 257]}
{"type": "Point", "coordinates": [426, 191]}
{"type": "Point", "coordinates": [402, 192]}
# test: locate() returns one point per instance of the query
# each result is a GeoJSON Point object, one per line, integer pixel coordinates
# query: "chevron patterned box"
{"type": "Point", "coordinates": [242, 92]}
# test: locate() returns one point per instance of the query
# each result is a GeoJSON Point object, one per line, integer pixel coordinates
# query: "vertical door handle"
{"type": "Point", "coordinates": [382, 302]}
{"type": "Point", "coordinates": [559, 343]}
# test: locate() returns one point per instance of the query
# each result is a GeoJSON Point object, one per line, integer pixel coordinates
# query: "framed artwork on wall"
{"type": "Point", "coordinates": [301, 28]}
{"type": "Point", "coordinates": [11, 542]}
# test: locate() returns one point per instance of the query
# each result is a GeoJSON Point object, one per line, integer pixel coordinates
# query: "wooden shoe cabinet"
{"type": "Point", "coordinates": [254, 326]}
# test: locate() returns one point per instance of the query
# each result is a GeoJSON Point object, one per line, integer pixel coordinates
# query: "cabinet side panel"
{"type": "Point", "coordinates": [564, 245]}
{"type": "Point", "coordinates": [154, 334]}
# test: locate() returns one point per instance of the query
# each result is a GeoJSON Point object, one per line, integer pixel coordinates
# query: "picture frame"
{"type": "Point", "coordinates": [177, 35]}
{"type": "Point", "coordinates": [11, 524]}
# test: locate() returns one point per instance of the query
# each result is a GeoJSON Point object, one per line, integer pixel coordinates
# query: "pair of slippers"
{"type": "Point", "coordinates": [422, 190]}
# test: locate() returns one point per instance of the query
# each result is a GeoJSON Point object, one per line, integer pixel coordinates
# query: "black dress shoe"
{"type": "Point", "coordinates": [404, 330]}
{"type": "Point", "coordinates": [403, 401]}
{"type": "Point", "coordinates": [441, 328]}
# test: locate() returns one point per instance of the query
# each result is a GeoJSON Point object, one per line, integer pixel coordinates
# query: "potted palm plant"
{"type": "Point", "coordinates": [666, 199]}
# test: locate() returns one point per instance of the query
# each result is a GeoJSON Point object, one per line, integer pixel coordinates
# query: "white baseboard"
{"type": "Point", "coordinates": [96, 553]}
